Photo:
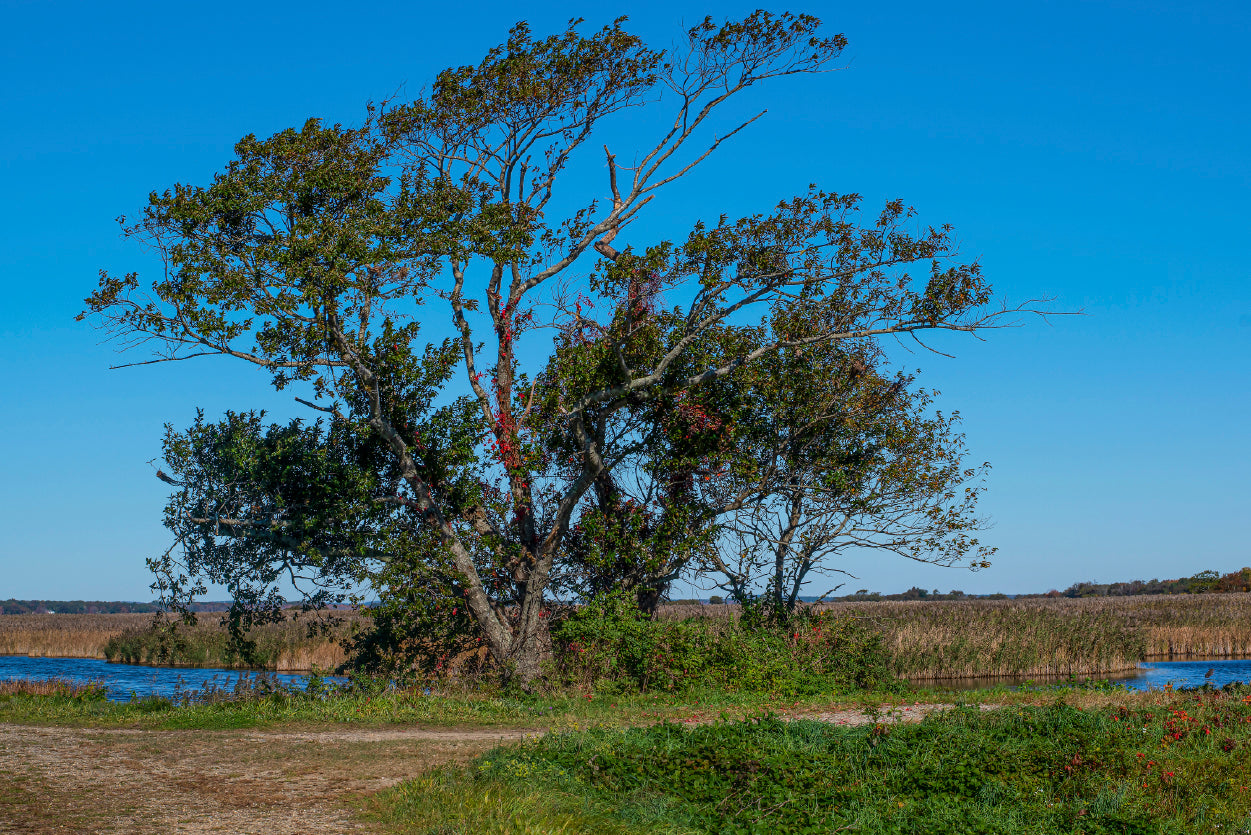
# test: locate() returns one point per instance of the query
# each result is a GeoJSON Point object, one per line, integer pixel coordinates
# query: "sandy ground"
{"type": "Point", "coordinates": [279, 782]}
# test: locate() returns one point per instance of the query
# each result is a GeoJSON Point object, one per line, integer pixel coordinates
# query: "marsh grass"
{"type": "Point", "coordinates": [288, 646]}
{"type": "Point", "coordinates": [258, 702]}
{"type": "Point", "coordinates": [927, 640]}
{"type": "Point", "coordinates": [67, 636]}
{"type": "Point", "coordinates": [294, 644]}
{"type": "Point", "coordinates": [1041, 637]}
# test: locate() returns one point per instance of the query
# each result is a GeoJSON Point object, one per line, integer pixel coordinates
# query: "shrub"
{"type": "Point", "coordinates": [609, 644]}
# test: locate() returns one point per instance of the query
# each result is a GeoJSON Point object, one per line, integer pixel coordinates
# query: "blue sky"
{"type": "Point", "coordinates": [1092, 152]}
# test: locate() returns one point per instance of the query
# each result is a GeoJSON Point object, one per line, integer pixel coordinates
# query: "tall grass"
{"type": "Point", "coordinates": [69, 636]}
{"type": "Point", "coordinates": [283, 647]}
{"type": "Point", "coordinates": [1043, 637]}
{"type": "Point", "coordinates": [287, 646]}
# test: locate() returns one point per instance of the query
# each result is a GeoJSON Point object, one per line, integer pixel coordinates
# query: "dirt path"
{"type": "Point", "coordinates": [277, 782]}
{"type": "Point", "coordinates": [84, 780]}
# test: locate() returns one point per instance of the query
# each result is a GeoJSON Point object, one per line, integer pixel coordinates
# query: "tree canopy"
{"type": "Point", "coordinates": [604, 410]}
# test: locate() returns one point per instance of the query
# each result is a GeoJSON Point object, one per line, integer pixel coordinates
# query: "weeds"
{"type": "Point", "coordinates": [610, 647]}
{"type": "Point", "coordinates": [54, 687]}
{"type": "Point", "coordinates": [1179, 768]}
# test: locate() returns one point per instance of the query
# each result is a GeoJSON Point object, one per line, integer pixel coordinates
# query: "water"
{"type": "Point", "coordinates": [1152, 676]}
{"type": "Point", "coordinates": [126, 681]}
{"type": "Point", "coordinates": [1191, 673]}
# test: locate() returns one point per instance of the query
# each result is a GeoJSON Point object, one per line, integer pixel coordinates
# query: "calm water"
{"type": "Point", "coordinates": [1153, 676]}
{"type": "Point", "coordinates": [1191, 673]}
{"type": "Point", "coordinates": [126, 680]}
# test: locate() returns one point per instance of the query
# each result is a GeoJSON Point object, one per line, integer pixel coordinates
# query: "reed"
{"type": "Point", "coordinates": [282, 647]}
{"type": "Point", "coordinates": [290, 645]}
{"type": "Point", "coordinates": [66, 636]}
{"type": "Point", "coordinates": [1043, 637]}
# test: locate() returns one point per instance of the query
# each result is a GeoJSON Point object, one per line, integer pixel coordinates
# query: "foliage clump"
{"type": "Point", "coordinates": [1177, 767]}
{"type": "Point", "coordinates": [610, 645]}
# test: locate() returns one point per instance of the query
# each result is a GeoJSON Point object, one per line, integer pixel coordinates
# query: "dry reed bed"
{"type": "Point", "coordinates": [1042, 637]}
{"type": "Point", "coordinates": [283, 647]}
{"type": "Point", "coordinates": [68, 636]}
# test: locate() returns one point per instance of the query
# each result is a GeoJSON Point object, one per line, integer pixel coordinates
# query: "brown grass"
{"type": "Point", "coordinates": [289, 781]}
{"type": "Point", "coordinates": [68, 636]}
{"type": "Point", "coordinates": [285, 647]}
{"type": "Point", "coordinates": [1044, 637]}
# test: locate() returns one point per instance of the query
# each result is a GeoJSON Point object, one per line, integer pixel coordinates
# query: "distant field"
{"type": "Point", "coordinates": [932, 640]}
{"type": "Point", "coordinates": [282, 647]}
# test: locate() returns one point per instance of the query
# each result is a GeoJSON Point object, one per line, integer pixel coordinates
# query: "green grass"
{"type": "Point", "coordinates": [1181, 768]}
{"type": "Point", "coordinates": [559, 709]}
{"type": "Point", "coordinates": [452, 803]}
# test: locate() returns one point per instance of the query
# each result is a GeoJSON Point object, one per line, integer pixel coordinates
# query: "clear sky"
{"type": "Point", "coordinates": [1094, 152]}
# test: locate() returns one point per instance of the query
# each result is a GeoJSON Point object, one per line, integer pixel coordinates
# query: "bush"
{"type": "Point", "coordinates": [609, 644]}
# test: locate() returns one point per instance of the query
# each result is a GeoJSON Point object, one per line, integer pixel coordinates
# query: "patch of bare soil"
{"type": "Point", "coordinates": [274, 782]}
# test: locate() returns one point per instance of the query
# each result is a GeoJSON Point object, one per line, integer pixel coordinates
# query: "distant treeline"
{"type": "Point", "coordinates": [1205, 582]}
{"type": "Point", "coordinates": [93, 607]}
{"type": "Point", "coordinates": [1202, 583]}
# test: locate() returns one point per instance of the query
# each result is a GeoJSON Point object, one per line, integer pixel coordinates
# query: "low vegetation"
{"type": "Point", "coordinates": [1039, 637]}
{"type": "Point", "coordinates": [294, 643]}
{"type": "Point", "coordinates": [1180, 767]}
{"type": "Point", "coordinates": [707, 760]}
{"type": "Point", "coordinates": [59, 688]}
{"type": "Point", "coordinates": [609, 646]}
{"type": "Point", "coordinates": [914, 640]}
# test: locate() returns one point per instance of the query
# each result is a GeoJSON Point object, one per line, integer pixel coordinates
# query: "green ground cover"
{"type": "Point", "coordinates": [1177, 767]}
{"type": "Point", "coordinates": [483, 706]}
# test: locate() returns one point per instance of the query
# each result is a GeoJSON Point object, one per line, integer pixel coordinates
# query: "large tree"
{"type": "Point", "coordinates": [317, 254]}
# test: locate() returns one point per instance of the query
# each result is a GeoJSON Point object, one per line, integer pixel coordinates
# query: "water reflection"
{"type": "Point", "coordinates": [124, 681]}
